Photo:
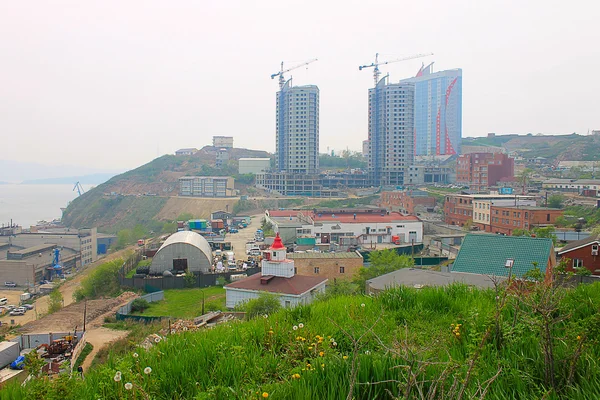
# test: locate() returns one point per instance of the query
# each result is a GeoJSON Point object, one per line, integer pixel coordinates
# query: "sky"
{"type": "Point", "coordinates": [109, 85]}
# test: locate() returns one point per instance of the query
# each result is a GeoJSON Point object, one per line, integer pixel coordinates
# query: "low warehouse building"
{"type": "Point", "coordinates": [183, 251]}
{"type": "Point", "coordinates": [329, 265]}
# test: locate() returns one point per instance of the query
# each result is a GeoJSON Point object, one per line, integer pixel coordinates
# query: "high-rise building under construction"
{"type": "Point", "coordinates": [297, 129]}
{"type": "Point", "coordinates": [391, 121]}
{"type": "Point", "coordinates": [438, 111]}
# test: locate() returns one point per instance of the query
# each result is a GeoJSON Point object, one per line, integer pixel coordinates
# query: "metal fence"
{"type": "Point", "coordinates": [123, 312]}
{"type": "Point", "coordinates": [152, 284]}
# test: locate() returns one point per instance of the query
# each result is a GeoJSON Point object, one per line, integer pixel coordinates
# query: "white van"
{"type": "Point", "coordinates": [3, 301]}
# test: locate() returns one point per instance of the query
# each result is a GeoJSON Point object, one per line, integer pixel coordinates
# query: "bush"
{"type": "Point", "coordinates": [139, 305]}
{"type": "Point", "coordinates": [56, 301]}
{"type": "Point", "coordinates": [265, 304]}
{"type": "Point", "coordinates": [102, 282]}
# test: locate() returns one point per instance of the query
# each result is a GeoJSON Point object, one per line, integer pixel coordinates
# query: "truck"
{"type": "Point", "coordinates": [396, 240]}
{"type": "Point", "coordinates": [25, 297]}
{"type": "Point", "coordinates": [231, 260]}
{"type": "Point", "coordinates": [141, 242]}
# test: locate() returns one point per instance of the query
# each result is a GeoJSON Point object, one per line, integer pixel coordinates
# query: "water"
{"type": "Point", "coordinates": [27, 204]}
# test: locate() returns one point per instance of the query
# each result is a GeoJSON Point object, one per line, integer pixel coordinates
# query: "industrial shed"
{"type": "Point", "coordinates": [183, 251]}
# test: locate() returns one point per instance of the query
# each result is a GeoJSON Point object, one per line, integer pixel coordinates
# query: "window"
{"type": "Point", "coordinates": [317, 270]}
{"type": "Point", "coordinates": [342, 270]}
{"type": "Point", "coordinates": [287, 303]}
{"type": "Point", "coordinates": [548, 217]}
{"type": "Point", "coordinates": [577, 263]}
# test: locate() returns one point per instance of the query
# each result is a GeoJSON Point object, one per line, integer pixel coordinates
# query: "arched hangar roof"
{"type": "Point", "coordinates": [188, 237]}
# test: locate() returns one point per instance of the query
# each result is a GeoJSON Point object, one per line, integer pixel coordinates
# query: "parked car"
{"type": "Point", "coordinates": [21, 309]}
{"type": "Point", "coordinates": [15, 313]}
{"type": "Point", "coordinates": [28, 306]}
{"type": "Point", "coordinates": [10, 284]}
{"type": "Point", "coordinates": [233, 230]}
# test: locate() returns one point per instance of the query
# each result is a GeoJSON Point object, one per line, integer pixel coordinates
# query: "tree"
{"type": "Point", "coordinates": [56, 301]}
{"type": "Point", "coordinates": [190, 279]}
{"type": "Point", "coordinates": [382, 262]}
{"type": "Point", "coordinates": [102, 281]}
{"type": "Point", "coordinates": [556, 200]}
{"type": "Point", "coordinates": [33, 363]}
{"type": "Point", "coordinates": [139, 305]}
{"type": "Point", "coordinates": [468, 225]}
{"type": "Point", "coordinates": [124, 238]}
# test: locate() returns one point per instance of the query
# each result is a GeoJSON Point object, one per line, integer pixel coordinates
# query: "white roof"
{"type": "Point", "coordinates": [191, 238]}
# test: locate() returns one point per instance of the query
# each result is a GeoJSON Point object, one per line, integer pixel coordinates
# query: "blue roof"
{"type": "Point", "coordinates": [487, 254]}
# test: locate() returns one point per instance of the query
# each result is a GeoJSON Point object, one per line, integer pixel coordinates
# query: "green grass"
{"type": "Point", "coordinates": [411, 327]}
{"type": "Point", "coordinates": [87, 349]}
{"type": "Point", "coordinates": [187, 303]}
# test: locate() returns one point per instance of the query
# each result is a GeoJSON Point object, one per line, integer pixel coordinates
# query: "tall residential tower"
{"type": "Point", "coordinates": [391, 119]}
{"type": "Point", "coordinates": [438, 111]}
{"type": "Point", "coordinates": [297, 142]}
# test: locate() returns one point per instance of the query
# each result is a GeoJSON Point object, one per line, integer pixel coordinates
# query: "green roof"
{"type": "Point", "coordinates": [487, 254]}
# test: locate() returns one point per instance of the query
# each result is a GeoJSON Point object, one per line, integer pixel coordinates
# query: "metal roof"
{"type": "Point", "coordinates": [191, 238]}
{"type": "Point", "coordinates": [415, 277]}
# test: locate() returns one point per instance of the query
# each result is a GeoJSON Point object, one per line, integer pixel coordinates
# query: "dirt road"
{"type": "Point", "coordinates": [100, 337]}
{"type": "Point", "coordinates": [239, 240]}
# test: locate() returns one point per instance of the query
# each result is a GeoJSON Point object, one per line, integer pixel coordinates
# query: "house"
{"type": "Point", "coordinates": [186, 152]}
{"type": "Point", "coordinates": [418, 278]}
{"type": "Point", "coordinates": [583, 253]}
{"type": "Point", "coordinates": [333, 266]}
{"type": "Point", "coordinates": [278, 276]}
{"type": "Point", "coordinates": [498, 255]}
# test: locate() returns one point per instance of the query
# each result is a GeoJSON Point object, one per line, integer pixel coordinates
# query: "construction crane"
{"type": "Point", "coordinates": [377, 63]}
{"type": "Point", "coordinates": [280, 73]}
{"type": "Point", "coordinates": [79, 188]}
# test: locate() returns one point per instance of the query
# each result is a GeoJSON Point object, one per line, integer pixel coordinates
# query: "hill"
{"type": "Point", "coordinates": [429, 343]}
{"type": "Point", "coordinates": [554, 147]}
{"type": "Point", "coordinates": [138, 196]}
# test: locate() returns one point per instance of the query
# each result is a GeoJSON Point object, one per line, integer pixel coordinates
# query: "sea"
{"type": "Point", "coordinates": [28, 204]}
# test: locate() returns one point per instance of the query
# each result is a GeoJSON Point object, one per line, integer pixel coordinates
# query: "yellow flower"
{"type": "Point", "coordinates": [321, 354]}
{"type": "Point", "coordinates": [322, 365]}
{"type": "Point", "coordinates": [457, 334]}
{"type": "Point", "coordinates": [265, 395]}
{"type": "Point", "coordinates": [345, 357]}
{"type": "Point", "coordinates": [308, 366]}
{"type": "Point", "coordinates": [296, 376]}
{"type": "Point", "coordinates": [578, 337]}
{"type": "Point", "coordinates": [270, 332]}
{"type": "Point", "coordinates": [309, 348]}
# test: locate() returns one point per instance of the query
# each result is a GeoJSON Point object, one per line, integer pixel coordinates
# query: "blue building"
{"type": "Point", "coordinates": [438, 111]}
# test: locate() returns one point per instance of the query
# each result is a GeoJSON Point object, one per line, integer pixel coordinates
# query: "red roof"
{"type": "Point", "coordinates": [286, 213]}
{"type": "Point", "coordinates": [295, 285]}
{"type": "Point", "coordinates": [364, 217]}
{"type": "Point", "coordinates": [277, 244]}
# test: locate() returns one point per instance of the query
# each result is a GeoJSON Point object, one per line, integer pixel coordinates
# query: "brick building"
{"type": "Point", "coordinates": [460, 208]}
{"type": "Point", "coordinates": [505, 220]}
{"type": "Point", "coordinates": [481, 171]}
{"type": "Point", "coordinates": [328, 265]}
{"type": "Point", "coordinates": [583, 253]}
{"type": "Point", "coordinates": [406, 201]}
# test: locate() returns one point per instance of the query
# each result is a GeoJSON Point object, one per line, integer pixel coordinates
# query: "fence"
{"type": "Point", "coordinates": [131, 262]}
{"type": "Point", "coordinates": [123, 312]}
{"type": "Point", "coordinates": [77, 350]}
{"type": "Point", "coordinates": [31, 341]}
{"type": "Point", "coordinates": [152, 284]}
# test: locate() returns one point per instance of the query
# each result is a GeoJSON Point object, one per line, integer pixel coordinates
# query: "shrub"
{"type": "Point", "coordinates": [103, 281]}
{"type": "Point", "coordinates": [265, 304]}
{"type": "Point", "coordinates": [139, 305]}
{"type": "Point", "coordinates": [56, 301]}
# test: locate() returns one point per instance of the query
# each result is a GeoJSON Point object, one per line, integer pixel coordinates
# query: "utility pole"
{"type": "Point", "coordinates": [84, 314]}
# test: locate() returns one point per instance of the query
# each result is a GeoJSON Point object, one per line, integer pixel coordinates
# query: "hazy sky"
{"type": "Point", "coordinates": [107, 84]}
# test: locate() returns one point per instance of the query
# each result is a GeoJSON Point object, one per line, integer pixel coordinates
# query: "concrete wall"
{"type": "Point", "coordinates": [239, 296]}
{"type": "Point", "coordinates": [328, 267]}
{"type": "Point", "coordinates": [21, 272]}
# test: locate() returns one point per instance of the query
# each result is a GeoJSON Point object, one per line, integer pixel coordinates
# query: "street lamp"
{"type": "Point", "coordinates": [509, 264]}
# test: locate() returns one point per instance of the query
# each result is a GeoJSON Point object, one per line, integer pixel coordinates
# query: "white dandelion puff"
{"type": "Point", "coordinates": [147, 370]}
{"type": "Point", "coordinates": [128, 386]}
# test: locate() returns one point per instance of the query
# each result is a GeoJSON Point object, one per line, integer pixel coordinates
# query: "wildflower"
{"type": "Point", "coordinates": [300, 325]}
{"type": "Point", "coordinates": [265, 316]}
{"type": "Point", "coordinates": [367, 352]}
{"type": "Point", "coordinates": [117, 377]}
{"type": "Point", "coordinates": [308, 366]}
{"type": "Point", "coordinates": [147, 370]}
{"type": "Point", "coordinates": [457, 334]}
{"type": "Point", "coordinates": [135, 355]}
{"type": "Point", "coordinates": [296, 376]}
{"type": "Point", "coordinates": [345, 357]}
{"type": "Point", "coordinates": [128, 386]}
{"type": "Point", "coordinates": [322, 365]}
{"type": "Point", "coordinates": [362, 305]}
{"type": "Point", "coordinates": [334, 344]}
{"type": "Point", "coordinates": [310, 348]}
{"type": "Point", "coordinates": [295, 327]}
{"type": "Point", "coordinates": [270, 332]}
{"type": "Point", "coordinates": [265, 395]}
{"type": "Point", "coordinates": [331, 339]}
{"type": "Point", "coordinates": [321, 354]}
{"type": "Point", "coordinates": [578, 337]}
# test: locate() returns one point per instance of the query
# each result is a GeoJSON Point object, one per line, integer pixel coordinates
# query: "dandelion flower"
{"type": "Point", "coordinates": [296, 376]}
{"type": "Point", "coordinates": [135, 355]}
{"type": "Point", "coordinates": [334, 344]}
{"type": "Point", "coordinates": [157, 340]}
{"type": "Point", "coordinates": [322, 365]}
{"type": "Point", "coordinates": [128, 386]}
{"type": "Point", "coordinates": [147, 370]}
{"type": "Point", "coordinates": [321, 354]}
{"type": "Point", "coordinates": [362, 305]}
{"type": "Point", "coordinates": [270, 332]}
{"type": "Point", "coordinates": [345, 357]}
{"type": "Point", "coordinates": [265, 395]}
{"type": "Point", "coordinates": [578, 337]}
{"type": "Point", "coordinates": [117, 378]}
{"type": "Point", "coordinates": [295, 327]}
{"type": "Point", "coordinates": [310, 348]}
{"type": "Point", "coordinates": [265, 316]}
{"type": "Point", "coordinates": [300, 325]}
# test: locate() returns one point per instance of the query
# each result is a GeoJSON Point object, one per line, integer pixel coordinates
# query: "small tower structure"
{"type": "Point", "coordinates": [274, 261]}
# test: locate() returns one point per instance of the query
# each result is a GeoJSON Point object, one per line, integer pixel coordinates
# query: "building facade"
{"type": "Point", "coordinates": [481, 171]}
{"type": "Point", "coordinates": [333, 266]}
{"type": "Point", "coordinates": [206, 186]}
{"type": "Point", "coordinates": [391, 139]}
{"type": "Point", "coordinates": [186, 152]}
{"type": "Point", "coordinates": [476, 208]}
{"type": "Point", "coordinates": [406, 201]}
{"type": "Point", "coordinates": [583, 253]}
{"type": "Point", "coordinates": [223, 141]}
{"type": "Point", "coordinates": [505, 219]}
{"type": "Point", "coordinates": [254, 165]}
{"type": "Point", "coordinates": [438, 111]}
{"type": "Point", "coordinates": [297, 129]}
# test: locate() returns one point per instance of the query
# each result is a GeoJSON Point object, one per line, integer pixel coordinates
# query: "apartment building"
{"type": "Point", "coordinates": [476, 208]}
{"type": "Point", "coordinates": [505, 220]}
{"type": "Point", "coordinates": [407, 201]}
{"type": "Point", "coordinates": [206, 186]}
{"type": "Point", "coordinates": [481, 171]}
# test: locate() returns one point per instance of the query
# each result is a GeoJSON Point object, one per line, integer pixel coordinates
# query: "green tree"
{"type": "Point", "coordinates": [468, 225]}
{"type": "Point", "coordinates": [103, 281]}
{"type": "Point", "coordinates": [556, 200]}
{"type": "Point", "coordinates": [124, 238]}
{"type": "Point", "coordinates": [265, 304]}
{"type": "Point", "coordinates": [190, 279]}
{"type": "Point", "coordinates": [56, 301]}
{"type": "Point", "coordinates": [33, 363]}
{"type": "Point", "coordinates": [382, 262]}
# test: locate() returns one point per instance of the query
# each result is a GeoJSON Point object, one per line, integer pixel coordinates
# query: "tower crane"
{"type": "Point", "coordinates": [377, 63]}
{"type": "Point", "coordinates": [79, 188]}
{"type": "Point", "coordinates": [280, 73]}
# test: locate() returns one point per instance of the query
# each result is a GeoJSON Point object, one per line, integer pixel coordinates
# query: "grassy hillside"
{"type": "Point", "coordinates": [434, 343]}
